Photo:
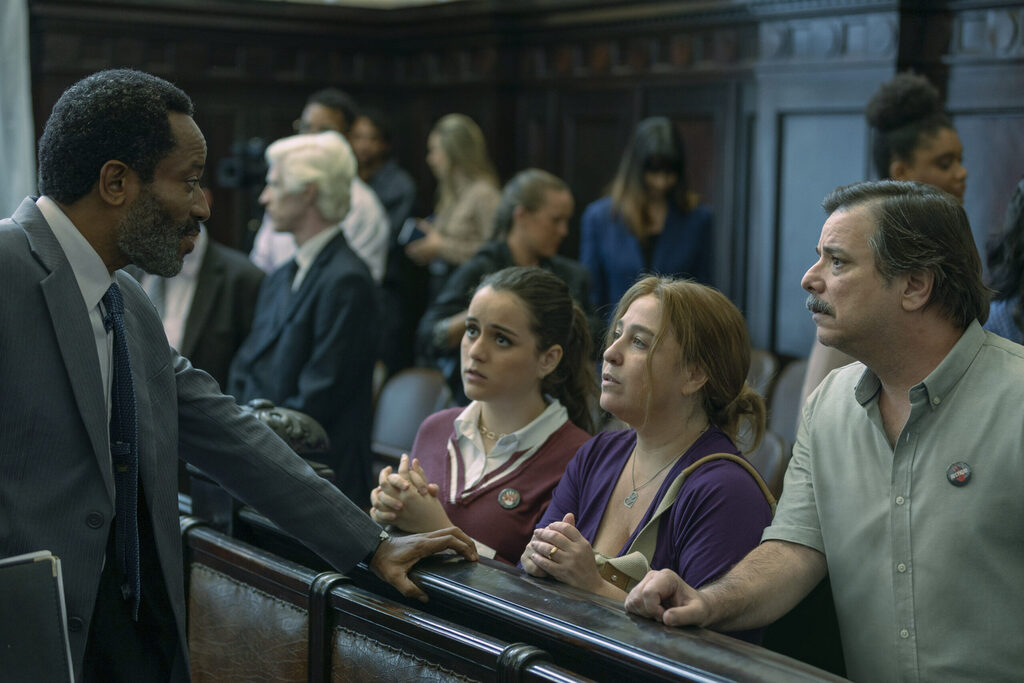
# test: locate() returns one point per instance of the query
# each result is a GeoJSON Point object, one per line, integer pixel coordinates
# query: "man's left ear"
{"type": "Point", "coordinates": [117, 183]}
{"type": "Point", "coordinates": [917, 290]}
{"type": "Point", "coordinates": [549, 360]}
{"type": "Point", "coordinates": [694, 380]}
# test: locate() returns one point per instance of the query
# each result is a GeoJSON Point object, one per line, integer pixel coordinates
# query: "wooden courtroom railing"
{"type": "Point", "coordinates": [471, 604]}
{"type": "Point", "coordinates": [257, 616]}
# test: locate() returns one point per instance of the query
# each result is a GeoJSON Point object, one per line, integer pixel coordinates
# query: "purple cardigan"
{"type": "Point", "coordinates": [716, 520]}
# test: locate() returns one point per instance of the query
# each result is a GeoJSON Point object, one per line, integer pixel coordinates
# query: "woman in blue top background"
{"type": "Point", "coordinates": [649, 222]}
{"type": "Point", "coordinates": [1006, 272]}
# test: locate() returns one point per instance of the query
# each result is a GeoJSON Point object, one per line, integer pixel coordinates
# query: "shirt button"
{"type": "Point", "coordinates": [936, 401]}
{"type": "Point", "coordinates": [94, 520]}
{"type": "Point", "coordinates": [901, 568]}
{"type": "Point", "coordinates": [904, 633]}
{"type": "Point", "coordinates": [900, 500]}
{"type": "Point", "coordinates": [75, 624]}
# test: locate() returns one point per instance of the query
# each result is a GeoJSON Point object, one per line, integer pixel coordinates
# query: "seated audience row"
{"type": "Point", "coordinates": [675, 369]}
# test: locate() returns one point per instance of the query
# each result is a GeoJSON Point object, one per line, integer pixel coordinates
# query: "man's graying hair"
{"type": "Point", "coordinates": [922, 229]}
{"type": "Point", "coordinates": [120, 114]}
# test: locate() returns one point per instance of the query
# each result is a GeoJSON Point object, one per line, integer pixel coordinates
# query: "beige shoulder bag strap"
{"type": "Point", "coordinates": [627, 571]}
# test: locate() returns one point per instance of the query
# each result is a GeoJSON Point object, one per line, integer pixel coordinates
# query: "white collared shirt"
{"type": "Point", "coordinates": [93, 282]}
{"type": "Point", "coordinates": [307, 253]}
{"type": "Point", "coordinates": [179, 291]}
{"type": "Point", "coordinates": [521, 444]}
{"type": "Point", "coordinates": [365, 226]}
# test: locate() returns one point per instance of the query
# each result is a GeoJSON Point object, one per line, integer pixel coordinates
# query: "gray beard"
{"type": "Point", "coordinates": [148, 237]}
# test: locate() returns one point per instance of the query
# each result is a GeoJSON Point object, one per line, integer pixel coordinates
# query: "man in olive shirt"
{"type": "Point", "coordinates": [906, 476]}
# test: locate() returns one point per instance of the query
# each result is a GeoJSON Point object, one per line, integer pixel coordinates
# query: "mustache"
{"type": "Point", "coordinates": [816, 305]}
{"type": "Point", "coordinates": [191, 227]}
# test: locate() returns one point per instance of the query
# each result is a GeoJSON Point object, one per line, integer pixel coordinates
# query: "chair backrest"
{"type": "Point", "coordinates": [405, 401]}
{"type": "Point", "coordinates": [770, 459]}
{"type": "Point", "coordinates": [784, 404]}
{"type": "Point", "coordinates": [763, 367]}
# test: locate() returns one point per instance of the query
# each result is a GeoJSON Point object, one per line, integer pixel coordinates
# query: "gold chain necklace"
{"type": "Point", "coordinates": [488, 434]}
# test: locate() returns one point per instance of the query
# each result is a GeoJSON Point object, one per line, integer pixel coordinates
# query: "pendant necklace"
{"type": "Point", "coordinates": [630, 500]}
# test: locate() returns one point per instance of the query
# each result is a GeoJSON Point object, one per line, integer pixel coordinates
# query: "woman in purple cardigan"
{"type": "Point", "coordinates": [490, 468]}
{"type": "Point", "coordinates": [674, 370]}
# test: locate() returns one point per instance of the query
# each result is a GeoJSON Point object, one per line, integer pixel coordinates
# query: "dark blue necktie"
{"type": "Point", "coordinates": [124, 451]}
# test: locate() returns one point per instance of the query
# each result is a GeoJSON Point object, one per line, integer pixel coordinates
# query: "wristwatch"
{"type": "Point", "coordinates": [383, 537]}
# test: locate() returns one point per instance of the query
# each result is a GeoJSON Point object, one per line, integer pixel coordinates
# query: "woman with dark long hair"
{"type": "Point", "coordinates": [649, 222]}
{"type": "Point", "coordinates": [490, 468]}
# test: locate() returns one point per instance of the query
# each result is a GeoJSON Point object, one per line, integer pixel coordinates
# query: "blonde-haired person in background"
{"type": "Point", "coordinates": [467, 195]}
{"type": "Point", "coordinates": [675, 371]}
{"type": "Point", "coordinates": [313, 340]}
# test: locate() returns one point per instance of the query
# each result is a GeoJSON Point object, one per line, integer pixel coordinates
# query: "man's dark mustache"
{"type": "Point", "coordinates": [816, 305]}
{"type": "Point", "coordinates": [190, 228]}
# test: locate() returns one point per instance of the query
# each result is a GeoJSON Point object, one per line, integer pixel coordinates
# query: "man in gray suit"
{"type": "Point", "coordinates": [120, 163]}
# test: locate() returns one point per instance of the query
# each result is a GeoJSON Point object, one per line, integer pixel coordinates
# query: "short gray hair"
{"type": "Point", "coordinates": [324, 159]}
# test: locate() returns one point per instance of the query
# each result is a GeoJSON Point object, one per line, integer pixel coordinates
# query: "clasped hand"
{"type": "Point", "coordinates": [406, 499]}
{"type": "Point", "coordinates": [559, 550]}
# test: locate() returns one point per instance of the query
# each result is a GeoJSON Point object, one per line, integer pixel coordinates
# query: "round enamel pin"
{"type": "Point", "coordinates": [509, 498]}
{"type": "Point", "coordinates": [959, 473]}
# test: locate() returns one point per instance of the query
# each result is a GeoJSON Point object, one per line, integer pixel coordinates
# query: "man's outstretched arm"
{"type": "Point", "coordinates": [766, 584]}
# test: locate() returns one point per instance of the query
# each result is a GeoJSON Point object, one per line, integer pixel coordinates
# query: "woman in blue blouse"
{"type": "Point", "coordinates": [649, 222]}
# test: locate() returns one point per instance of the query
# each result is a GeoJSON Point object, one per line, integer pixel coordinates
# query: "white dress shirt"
{"type": "Point", "coordinates": [365, 226]}
{"type": "Point", "coordinates": [93, 281]}
{"type": "Point", "coordinates": [179, 291]}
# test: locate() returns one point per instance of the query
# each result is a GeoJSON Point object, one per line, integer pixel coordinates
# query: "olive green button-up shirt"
{"type": "Point", "coordinates": [927, 576]}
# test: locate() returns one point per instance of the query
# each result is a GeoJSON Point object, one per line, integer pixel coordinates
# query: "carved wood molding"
{"type": "Point", "coordinates": [992, 34]}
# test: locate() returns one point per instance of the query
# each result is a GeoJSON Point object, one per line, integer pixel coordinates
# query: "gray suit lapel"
{"type": "Point", "coordinates": [73, 330]}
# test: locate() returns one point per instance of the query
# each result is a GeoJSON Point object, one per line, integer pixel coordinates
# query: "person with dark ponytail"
{"type": "Point", "coordinates": [1006, 273]}
{"type": "Point", "coordinates": [675, 371]}
{"type": "Point", "coordinates": [531, 222]}
{"type": "Point", "coordinates": [490, 468]}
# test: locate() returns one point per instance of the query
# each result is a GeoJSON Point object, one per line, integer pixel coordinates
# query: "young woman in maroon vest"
{"type": "Point", "coordinates": [490, 468]}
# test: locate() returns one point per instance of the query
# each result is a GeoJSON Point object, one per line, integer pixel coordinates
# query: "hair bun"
{"type": "Point", "coordinates": [903, 100]}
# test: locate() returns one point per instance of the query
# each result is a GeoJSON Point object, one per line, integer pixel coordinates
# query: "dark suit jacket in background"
{"type": "Point", "coordinates": [56, 485]}
{"type": "Point", "coordinates": [222, 310]}
{"type": "Point", "coordinates": [313, 351]}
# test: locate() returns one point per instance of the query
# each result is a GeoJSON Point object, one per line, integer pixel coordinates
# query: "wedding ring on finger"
{"type": "Point", "coordinates": [551, 553]}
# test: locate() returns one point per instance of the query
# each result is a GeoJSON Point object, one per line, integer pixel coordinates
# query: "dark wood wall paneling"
{"type": "Point", "coordinates": [768, 95]}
